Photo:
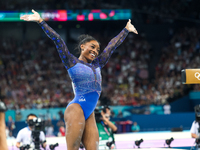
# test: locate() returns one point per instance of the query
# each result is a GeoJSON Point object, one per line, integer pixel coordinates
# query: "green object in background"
{"type": "Point", "coordinates": [104, 137]}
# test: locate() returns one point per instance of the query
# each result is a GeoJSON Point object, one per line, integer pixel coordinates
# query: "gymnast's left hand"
{"type": "Point", "coordinates": [33, 17]}
{"type": "Point", "coordinates": [130, 27]}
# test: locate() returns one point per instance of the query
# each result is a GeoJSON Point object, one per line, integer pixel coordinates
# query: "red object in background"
{"type": "Point", "coordinates": [112, 13]}
{"type": "Point", "coordinates": [103, 16]}
{"type": "Point", "coordinates": [96, 10]}
{"type": "Point", "coordinates": [125, 125]}
{"type": "Point", "coordinates": [80, 17]}
{"type": "Point", "coordinates": [62, 131]}
{"type": "Point", "coordinates": [90, 17]}
{"type": "Point", "coordinates": [118, 67]}
{"type": "Point", "coordinates": [62, 15]}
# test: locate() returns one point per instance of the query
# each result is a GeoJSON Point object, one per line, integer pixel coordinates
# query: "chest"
{"type": "Point", "coordinates": [81, 72]}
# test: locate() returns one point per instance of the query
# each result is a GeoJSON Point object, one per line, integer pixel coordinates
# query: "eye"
{"type": "Point", "coordinates": [93, 47]}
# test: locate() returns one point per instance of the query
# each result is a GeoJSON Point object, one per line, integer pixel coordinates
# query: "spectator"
{"type": "Point", "coordinates": [135, 127]}
{"type": "Point", "coordinates": [60, 123]}
{"type": "Point", "coordinates": [50, 131]}
{"type": "Point", "coordinates": [49, 128]}
{"type": "Point", "coordinates": [167, 108]}
{"type": "Point", "coordinates": [7, 132]}
{"type": "Point", "coordinates": [120, 114]}
{"type": "Point", "coordinates": [11, 125]}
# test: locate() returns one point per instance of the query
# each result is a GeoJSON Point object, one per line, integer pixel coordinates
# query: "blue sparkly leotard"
{"type": "Point", "coordinates": [86, 77]}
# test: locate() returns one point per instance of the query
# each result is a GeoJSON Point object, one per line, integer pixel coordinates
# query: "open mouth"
{"type": "Point", "coordinates": [92, 54]}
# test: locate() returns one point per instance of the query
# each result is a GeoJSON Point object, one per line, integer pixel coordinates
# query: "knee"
{"type": "Point", "coordinates": [75, 145]}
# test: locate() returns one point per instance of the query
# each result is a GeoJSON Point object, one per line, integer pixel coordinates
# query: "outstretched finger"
{"type": "Point", "coordinates": [24, 17]}
{"type": "Point", "coordinates": [129, 20]}
{"type": "Point", "coordinates": [135, 31]}
{"type": "Point", "coordinates": [33, 11]}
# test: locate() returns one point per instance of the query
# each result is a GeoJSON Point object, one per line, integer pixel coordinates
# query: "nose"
{"type": "Point", "coordinates": [95, 51]}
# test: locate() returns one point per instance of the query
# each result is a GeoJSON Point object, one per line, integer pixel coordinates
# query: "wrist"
{"type": "Point", "coordinates": [40, 20]}
{"type": "Point", "coordinates": [105, 120]}
{"type": "Point", "coordinates": [126, 28]}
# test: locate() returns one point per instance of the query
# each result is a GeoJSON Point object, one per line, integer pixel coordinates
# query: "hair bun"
{"type": "Point", "coordinates": [82, 37]}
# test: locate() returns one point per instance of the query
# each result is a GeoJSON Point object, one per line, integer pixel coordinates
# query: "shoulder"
{"type": "Point", "coordinates": [95, 62]}
{"type": "Point", "coordinates": [24, 130]}
{"type": "Point", "coordinates": [195, 123]}
{"type": "Point", "coordinates": [41, 132]}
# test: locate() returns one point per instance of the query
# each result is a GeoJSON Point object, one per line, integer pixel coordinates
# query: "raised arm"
{"type": "Point", "coordinates": [67, 58]}
{"type": "Point", "coordinates": [114, 43]}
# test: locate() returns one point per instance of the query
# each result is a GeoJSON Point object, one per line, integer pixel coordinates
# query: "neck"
{"type": "Point", "coordinates": [84, 59]}
{"type": "Point", "coordinates": [30, 128]}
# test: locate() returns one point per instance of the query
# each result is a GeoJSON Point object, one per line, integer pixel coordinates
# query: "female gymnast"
{"type": "Point", "coordinates": [86, 80]}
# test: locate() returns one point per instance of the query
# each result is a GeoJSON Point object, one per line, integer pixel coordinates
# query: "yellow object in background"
{"type": "Point", "coordinates": [190, 76]}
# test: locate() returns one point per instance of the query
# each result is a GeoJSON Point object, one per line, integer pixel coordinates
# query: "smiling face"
{"type": "Point", "coordinates": [89, 51]}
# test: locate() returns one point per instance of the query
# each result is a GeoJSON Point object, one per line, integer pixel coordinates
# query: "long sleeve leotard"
{"type": "Point", "coordinates": [86, 77]}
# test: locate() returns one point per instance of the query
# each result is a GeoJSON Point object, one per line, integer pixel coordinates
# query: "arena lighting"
{"type": "Point", "coordinates": [168, 141]}
{"type": "Point", "coordinates": [137, 143]}
{"type": "Point", "coordinates": [71, 15]}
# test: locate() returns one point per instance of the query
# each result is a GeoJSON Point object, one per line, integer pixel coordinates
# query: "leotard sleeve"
{"type": "Point", "coordinates": [103, 58]}
{"type": "Point", "coordinates": [67, 58]}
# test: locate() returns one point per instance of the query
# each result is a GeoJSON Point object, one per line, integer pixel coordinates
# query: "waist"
{"type": "Point", "coordinates": [86, 88]}
{"type": "Point", "coordinates": [91, 96]}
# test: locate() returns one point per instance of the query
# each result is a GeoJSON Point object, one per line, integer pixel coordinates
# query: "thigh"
{"type": "Point", "coordinates": [3, 142]}
{"type": "Point", "coordinates": [90, 137]}
{"type": "Point", "coordinates": [75, 124]}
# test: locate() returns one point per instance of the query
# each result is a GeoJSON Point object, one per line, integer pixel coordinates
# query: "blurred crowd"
{"type": "Point", "coordinates": [182, 52]}
{"type": "Point", "coordinates": [158, 11]}
{"type": "Point", "coordinates": [60, 4]}
{"type": "Point", "coordinates": [32, 75]}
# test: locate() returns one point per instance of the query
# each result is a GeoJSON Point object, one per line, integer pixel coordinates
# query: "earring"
{"type": "Point", "coordinates": [82, 49]}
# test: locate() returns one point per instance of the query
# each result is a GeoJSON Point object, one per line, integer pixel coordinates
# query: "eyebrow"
{"type": "Point", "coordinates": [95, 46]}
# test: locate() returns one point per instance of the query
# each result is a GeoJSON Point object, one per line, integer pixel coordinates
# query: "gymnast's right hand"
{"type": "Point", "coordinates": [33, 17]}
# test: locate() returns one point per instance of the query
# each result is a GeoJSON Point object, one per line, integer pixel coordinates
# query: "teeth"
{"type": "Point", "coordinates": [93, 55]}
